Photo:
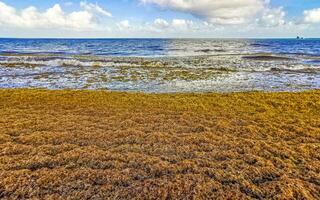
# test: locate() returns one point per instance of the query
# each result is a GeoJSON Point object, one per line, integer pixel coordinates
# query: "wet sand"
{"type": "Point", "coordinates": [110, 145]}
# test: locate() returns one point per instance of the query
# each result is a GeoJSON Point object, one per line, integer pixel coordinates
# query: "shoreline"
{"type": "Point", "coordinates": [136, 92]}
{"type": "Point", "coordinates": [101, 144]}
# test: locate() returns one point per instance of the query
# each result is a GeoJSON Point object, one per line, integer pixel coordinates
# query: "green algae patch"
{"type": "Point", "coordinates": [111, 145]}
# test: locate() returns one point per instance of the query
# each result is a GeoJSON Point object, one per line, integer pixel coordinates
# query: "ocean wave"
{"type": "Point", "coordinates": [210, 50]}
{"type": "Point", "coordinates": [267, 58]}
{"type": "Point", "coordinates": [260, 45]}
{"type": "Point", "coordinates": [223, 63]}
{"type": "Point", "coordinates": [313, 62]}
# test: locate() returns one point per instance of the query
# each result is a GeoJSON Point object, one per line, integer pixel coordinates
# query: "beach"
{"type": "Point", "coordinates": [160, 100]}
{"type": "Point", "coordinates": [76, 144]}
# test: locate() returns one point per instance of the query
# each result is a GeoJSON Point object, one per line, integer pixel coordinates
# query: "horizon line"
{"type": "Point", "coordinates": [158, 38]}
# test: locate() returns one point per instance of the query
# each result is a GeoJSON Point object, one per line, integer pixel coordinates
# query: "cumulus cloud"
{"type": "Point", "coordinates": [218, 11]}
{"type": "Point", "coordinates": [94, 8]}
{"type": "Point", "coordinates": [53, 17]}
{"type": "Point", "coordinates": [181, 24]}
{"type": "Point", "coordinates": [272, 17]}
{"type": "Point", "coordinates": [124, 25]}
{"type": "Point", "coordinates": [160, 25]}
{"type": "Point", "coordinates": [312, 16]}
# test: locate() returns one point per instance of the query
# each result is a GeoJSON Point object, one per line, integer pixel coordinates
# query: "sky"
{"type": "Point", "coordinates": [159, 18]}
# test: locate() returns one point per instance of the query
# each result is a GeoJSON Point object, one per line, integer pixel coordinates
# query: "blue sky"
{"type": "Point", "coordinates": [159, 18]}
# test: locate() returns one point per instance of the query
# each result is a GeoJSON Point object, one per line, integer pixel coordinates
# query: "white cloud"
{"type": "Point", "coordinates": [272, 17]}
{"type": "Point", "coordinates": [160, 25]}
{"type": "Point", "coordinates": [181, 24]}
{"type": "Point", "coordinates": [217, 11]}
{"type": "Point", "coordinates": [52, 18]}
{"type": "Point", "coordinates": [124, 25]}
{"type": "Point", "coordinates": [312, 16]}
{"type": "Point", "coordinates": [94, 8]}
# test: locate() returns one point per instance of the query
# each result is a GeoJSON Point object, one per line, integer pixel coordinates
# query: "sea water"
{"type": "Point", "coordinates": [161, 65]}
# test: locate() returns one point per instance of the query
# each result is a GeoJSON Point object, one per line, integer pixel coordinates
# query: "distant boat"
{"type": "Point", "coordinates": [299, 38]}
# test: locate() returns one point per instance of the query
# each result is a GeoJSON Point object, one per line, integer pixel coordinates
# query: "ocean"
{"type": "Point", "coordinates": [161, 65]}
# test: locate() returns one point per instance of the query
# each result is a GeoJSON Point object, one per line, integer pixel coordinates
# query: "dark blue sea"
{"type": "Point", "coordinates": [159, 47]}
{"type": "Point", "coordinates": [161, 65]}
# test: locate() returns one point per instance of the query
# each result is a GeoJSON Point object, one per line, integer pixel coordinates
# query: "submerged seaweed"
{"type": "Point", "coordinates": [222, 72]}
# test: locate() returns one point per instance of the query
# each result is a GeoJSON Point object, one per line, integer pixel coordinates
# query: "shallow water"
{"type": "Point", "coordinates": [161, 65]}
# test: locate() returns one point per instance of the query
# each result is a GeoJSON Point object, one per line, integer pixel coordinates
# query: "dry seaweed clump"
{"type": "Point", "coordinates": [109, 145]}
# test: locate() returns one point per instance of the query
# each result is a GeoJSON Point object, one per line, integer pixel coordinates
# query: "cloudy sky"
{"type": "Point", "coordinates": [159, 18]}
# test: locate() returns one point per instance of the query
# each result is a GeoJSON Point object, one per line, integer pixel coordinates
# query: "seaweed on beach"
{"type": "Point", "coordinates": [109, 145]}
